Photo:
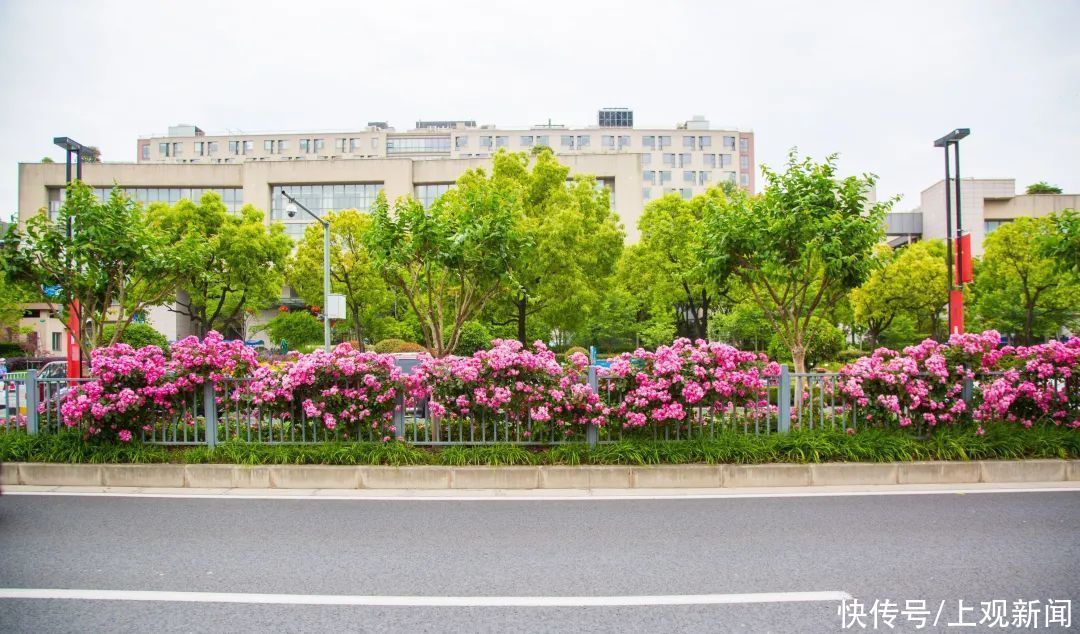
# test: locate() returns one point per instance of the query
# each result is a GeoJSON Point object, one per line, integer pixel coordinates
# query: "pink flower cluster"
{"type": "Point", "coordinates": [135, 388]}
{"type": "Point", "coordinates": [1036, 383]}
{"type": "Point", "coordinates": [512, 382]}
{"type": "Point", "coordinates": [345, 390]}
{"type": "Point", "coordinates": [678, 384]}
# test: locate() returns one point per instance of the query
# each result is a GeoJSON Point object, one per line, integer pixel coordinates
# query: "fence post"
{"type": "Point", "coordinates": [592, 434]}
{"type": "Point", "coordinates": [969, 387]}
{"type": "Point", "coordinates": [31, 403]}
{"type": "Point", "coordinates": [210, 422]}
{"type": "Point", "coordinates": [783, 401]}
{"type": "Point", "coordinates": [399, 415]}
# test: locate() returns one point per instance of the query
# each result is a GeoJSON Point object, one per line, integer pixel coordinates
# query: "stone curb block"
{"type": "Point", "coordinates": [533, 477]}
{"type": "Point", "coordinates": [419, 477]}
{"type": "Point", "coordinates": [848, 474]}
{"type": "Point", "coordinates": [60, 474]}
{"type": "Point", "coordinates": [1022, 471]}
{"type": "Point", "coordinates": [143, 475]}
{"type": "Point", "coordinates": [494, 478]}
{"type": "Point", "coordinates": [939, 472]}
{"type": "Point", "coordinates": [767, 475]}
{"type": "Point", "coordinates": [696, 476]}
{"type": "Point", "coordinates": [315, 477]}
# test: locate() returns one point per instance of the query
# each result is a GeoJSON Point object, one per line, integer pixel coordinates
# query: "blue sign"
{"type": "Point", "coordinates": [53, 291]}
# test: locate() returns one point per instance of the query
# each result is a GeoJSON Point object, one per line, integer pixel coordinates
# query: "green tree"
{"type": "Point", "coordinates": [799, 248]}
{"type": "Point", "coordinates": [1063, 244]}
{"type": "Point", "coordinates": [140, 335]}
{"type": "Point", "coordinates": [296, 328]}
{"type": "Point", "coordinates": [668, 271]}
{"type": "Point", "coordinates": [1018, 288]}
{"type": "Point", "coordinates": [47, 160]}
{"type": "Point", "coordinates": [1042, 187]}
{"type": "Point", "coordinates": [115, 266]}
{"type": "Point", "coordinates": [823, 342]}
{"type": "Point", "coordinates": [12, 296]}
{"type": "Point", "coordinates": [352, 272]}
{"type": "Point", "coordinates": [449, 260]}
{"type": "Point", "coordinates": [571, 241]}
{"type": "Point", "coordinates": [908, 281]}
{"type": "Point", "coordinates": [742, 325]}
{"type": "Point", "coordinates": [230, 263]}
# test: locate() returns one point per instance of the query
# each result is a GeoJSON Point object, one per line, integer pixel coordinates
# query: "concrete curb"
{"type": "Point", "coordinates": [540, 477]}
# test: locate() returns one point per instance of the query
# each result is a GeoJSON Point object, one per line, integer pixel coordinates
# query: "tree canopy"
{"type": "Point", "coordinates": [910, 281]}
{"type": "Point", "coordinates": [229, 263]}
{"type": "Point", "coordinates": [799, 247]}
{"type": "Point", "coordinates": [1042, 187]}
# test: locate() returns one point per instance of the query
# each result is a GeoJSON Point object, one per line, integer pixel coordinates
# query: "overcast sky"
{"type": "Point", "coordinates": [875, 82]}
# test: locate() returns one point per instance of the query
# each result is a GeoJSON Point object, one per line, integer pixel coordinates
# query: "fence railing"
{"type": "Point", "coordinates": [225, 411]}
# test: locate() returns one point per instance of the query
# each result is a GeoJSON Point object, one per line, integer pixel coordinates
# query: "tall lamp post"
{"type": "Point", "coordinates": [74, 354]}
{"type": "Point", "coordinates": [961, 262]}
{"type": "Point", "coordinates": [291, 210]}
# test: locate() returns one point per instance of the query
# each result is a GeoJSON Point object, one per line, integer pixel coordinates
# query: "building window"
{"type": "Point", "coordinates": [624, 141]}
{"type": "Point", "coordinates": [502, 141]}
{"type": "Point", "coordinates": [268, 146]}
{"type": "Point", "coordinates": [282, 145]}
{"type": "Point", "coordinates": [163, 149]}
{"type": "Point", "coordinates": [669, 159]}
{"type": "Point", "coordinates": [646, 193]}
{"type": "Point", "coordinates": [212, 147]}
{"type": "Point", "coordinates": [744, 144]}
{"type": "Point", "coordinates": [354, 144]}
{"type": "Point", "coordinates": [708, 160]}
{"type": "Point", "coordinates": [607, 141]}
{"type": "Point", "coordinates": [305, 145]}
{"type": "Point", "coordinates": [689, 142]}
{"type": "Point", "coordinates": [705, 176]}
{"type": "Point", "coordinates": [232, 196]}
{"type": "Point", "coordinates": [649, 176]}
{"type": "Point", "coordinates": [704, 142]}
{"type": "Point", "coordinates": [648, 142]}
{"type": "Point", "coordinates": [485, 141]}
{"type": "Point", "coordinates": [665, 141]}
{"type": "Point", "coordinates": [339, 145]}
{"type": "Point", "coordinates": [526, 141]}
{"type": "Point", "coordinates": [665, 176]}
{"type": "Point", "coordinates": [689, 176]}
{"type": "Point", "coordinates": [543, 140]}
{"type": "Point", "coordinates": [319, 145]}
{"type": "Point", "coordinates": [725, 160]}
{"type": "Point", "coordinates": [146, 152]}
{"type": "Point", "coordinates": [686, 193]}
{"type": "Point", "coordinates": [989, 226]}
{"type": "Point", "coordinates": [744, 161]}
{"type": "Point", "coordinates": [320, 199]}
{"type": "Point", "coordinates": [177, 149]}
{"type": "Point", "coordinates": [729, 143]}
{"type": "Point", "coordinates": [461, 142]}
{"type": "Point", "coordinates": [56, 337]}
{"type": "Point", "coordinates": [420, 145]}
{"type": "Point", "coordinates": [745, 179]}
{"type": "Point", "coordinates": [199, 148]}
{"type": "Point", "coordinates": [234, 147]}
{"type": "Point", "coordinates": [427, 193]}
{"type": "Point", "coordinates": [566, 140]}
{"type": "Point", "coordinates": [685, 159]}
{"type": "Point", "coordinates": [646, 159]}
{"type": "Point", "coordinates": [249, 147]}
{"type": "Point", "coordinates": [583, 141]}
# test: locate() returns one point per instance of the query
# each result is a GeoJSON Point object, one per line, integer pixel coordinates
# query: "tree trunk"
{"type": "Point", "coordinates": [358, 327]}
{"type": "Point", "coordinates": [1029, 324]}
{"type": "Point", "coordinates": [522, 307]}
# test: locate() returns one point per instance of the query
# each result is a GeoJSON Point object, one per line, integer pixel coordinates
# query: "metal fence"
{"type": "Point", "coordinates": [225, 411]}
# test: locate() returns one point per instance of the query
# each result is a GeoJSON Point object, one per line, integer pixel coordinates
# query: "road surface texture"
{"type": "Point", "coordinates": [943, 547]}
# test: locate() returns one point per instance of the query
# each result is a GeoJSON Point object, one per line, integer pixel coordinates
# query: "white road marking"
{"type": "Point", "coordinates": [516, 496]}
{"type": "Point", "coordinates": [421, 601]}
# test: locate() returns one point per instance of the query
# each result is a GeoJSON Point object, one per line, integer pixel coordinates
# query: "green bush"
{"type": "Point", "coordinates": [11, 349]}
{"type": "Point", "coordinates": [474, 336]}
{"type": "Point", "coordinates": [138, 335]}
{"type": "Point", "coordinates": [296, 328]}
{"type": "Point", "coordinates": [387, 346]}
{"type": "Point", "coordinates": [824, 342]}
{"type": "Point", "coordinates": [851, 354]}
{"type": "Point", "coordinates": [572, 349]}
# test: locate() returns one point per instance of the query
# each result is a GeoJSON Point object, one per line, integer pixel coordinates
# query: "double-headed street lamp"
{"type": "Point", "coordinates": [291, 210]}
{"type": "Point", "coordinates": [963, 256]}
{"type": "Point", "coordinates": [74, 357]}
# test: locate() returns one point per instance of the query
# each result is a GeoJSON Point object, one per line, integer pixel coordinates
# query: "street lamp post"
{"type": "Point", "coordinates": [955, 286]}
{"type": "Point", "coordinates": [74, 355]}
{"type": "Point", "coordinates": [291, 210]}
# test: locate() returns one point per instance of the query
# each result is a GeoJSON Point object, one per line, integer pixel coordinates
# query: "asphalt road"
{"type": "Point", "coordinates": [974, 547]}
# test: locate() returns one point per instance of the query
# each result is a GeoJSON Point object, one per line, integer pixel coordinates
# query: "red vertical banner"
{"type": "Point", "coordinates": [74, 353]}
{"type": "Point", "coordinates": [963, 259]}
{"type": "Point", "coordinates": [956, 311]}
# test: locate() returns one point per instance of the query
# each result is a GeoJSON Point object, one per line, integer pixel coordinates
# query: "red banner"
{"type": "Point", "coordinates": [963, 259]}
{"type": "Point", "coordinates": [956, 311]}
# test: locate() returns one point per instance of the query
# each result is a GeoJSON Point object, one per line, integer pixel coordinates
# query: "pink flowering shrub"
{"type": "Point", "coordinates": [512, 383]}
{"type": "Point", "coordinates": [678, 385]}
{"type": "Point", "coordinates": [346, 391]}
{"type": "Point", "coordinates": [1036, 383]}
{"type": "Point", "coordinates": [134, 389]}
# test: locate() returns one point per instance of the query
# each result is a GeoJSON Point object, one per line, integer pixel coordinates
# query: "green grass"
{"type": "Point", "coordinates": [806, 446]}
